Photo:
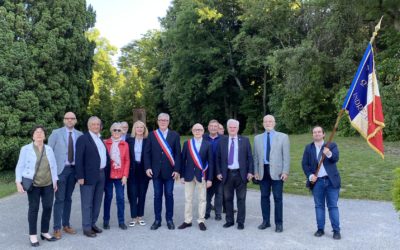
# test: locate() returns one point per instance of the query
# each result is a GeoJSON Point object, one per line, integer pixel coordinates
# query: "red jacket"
{"type": "Point", "coordinates": [125, 163]}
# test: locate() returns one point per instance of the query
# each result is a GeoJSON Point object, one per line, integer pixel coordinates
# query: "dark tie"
{"type": "Point", "coordinates": [70, 148]}
{"type": "Point", "coordinates": [268, 148]}
{"type": "Point", "coordinates": [231, 152]}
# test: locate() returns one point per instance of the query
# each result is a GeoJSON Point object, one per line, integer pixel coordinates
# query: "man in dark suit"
{"type": "Point", "coordinates": [125, 128]}
{"type": "Point", "coordinates": [197, 172]}
{"type": "Point", "coordinates": [234, 168]}
{"type": "Point", "coordinates": [92, 163]}
{"type": "Point", "coordinates": [162, 162]}
{"type": "Point", "coordinates": [326, 181]}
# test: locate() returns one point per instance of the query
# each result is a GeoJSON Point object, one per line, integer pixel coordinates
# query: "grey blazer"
{"type": "Point", "coordinates": [279, 158]}
{"type": "Point", "coordinates": [58, 142]}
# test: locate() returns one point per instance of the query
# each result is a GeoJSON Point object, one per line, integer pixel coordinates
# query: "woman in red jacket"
{"type": "Point", "coordinates": [119, 171]}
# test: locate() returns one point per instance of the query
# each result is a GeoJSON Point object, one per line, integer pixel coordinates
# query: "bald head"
{"type": "Point", "coordinates": [69, 120]}
{"type": "Point", "coordinates": [198, 131]}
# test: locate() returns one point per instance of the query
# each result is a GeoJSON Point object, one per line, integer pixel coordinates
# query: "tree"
{"type": "Point", "coordinates": [45, 67]}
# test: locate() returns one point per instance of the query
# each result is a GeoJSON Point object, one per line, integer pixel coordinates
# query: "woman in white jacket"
{"type": "Point", "coordinates": [37, 162]}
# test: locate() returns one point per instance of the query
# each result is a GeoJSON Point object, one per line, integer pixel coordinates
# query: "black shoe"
{"type": "Point", "coordinates": [218, 217]}
{"type": "Point", "coordinates": [34, 244]}
{"type": "Point", "coordinates": [185, 225]}
{"type": "Point", "coordinates": [319, 233]}
{"type": "Point", "coordinates": [264, 225]}
{"type": "Point", "coordinates": [96, 229]}
{"type": "Point", "coordinates": [106, 226]}
{"type": "Point", "coordinates": [234, 210]}
{"type": "Point", "coordinates": [228, 224]}
{"type": "Point", "coordinates": [52, 238]}
{"type": "Point", "coordinates": [279, 229]}
{"type": "Point", "coordinates": [240, 226]}
{"type": "Point", "coordinates": [336, 235]}
{"type": "Point", "coordinates": [170, 225]}
{"type": "Point", "coordinates": [202, 226]}
{"type": "Point", "coordinates": [207, 216]}
{"type": "Point", "coordinates": [123, 226]}
{"type": "Point", "coordinates": [155, 225]}
{"type": "Point", "coordinates": [89, 233]}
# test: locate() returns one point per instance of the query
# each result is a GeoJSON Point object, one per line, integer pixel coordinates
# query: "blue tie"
{"type": "Point", "coordinates": [268, 148]}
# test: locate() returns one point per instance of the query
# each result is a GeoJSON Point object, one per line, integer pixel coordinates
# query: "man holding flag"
{"type": "Point", "coordinates": [162, 161]}
{"type": "Point", "coordinates": [197, 165]}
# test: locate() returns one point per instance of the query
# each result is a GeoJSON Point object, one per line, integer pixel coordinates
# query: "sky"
{"type": "Point", "coordinates": [122, 21]}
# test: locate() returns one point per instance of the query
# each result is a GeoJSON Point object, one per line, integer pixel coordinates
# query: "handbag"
{"type": "Point", "coordinates": [27, 183]}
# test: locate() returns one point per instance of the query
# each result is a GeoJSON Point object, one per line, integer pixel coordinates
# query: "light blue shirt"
{"type": "Point", "coordinates": [235, 164]}
{"type": "Point", "coordinates": [101, 148]}
{"type": "Point", "coordinates": [138, 149]}
{"type": "Point", "coordinates": [74, 141]}
{"type": "Point", "coordinates": [197, 144]}
{"type": "Point", "coordinates": [271, 138]}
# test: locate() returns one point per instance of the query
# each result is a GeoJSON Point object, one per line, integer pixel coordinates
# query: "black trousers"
{"type": "Point", "coordinates": [234, 183]}
{"type": "Point", "coordinates": [34, 196]}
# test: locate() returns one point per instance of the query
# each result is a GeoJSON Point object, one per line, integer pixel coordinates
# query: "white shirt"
{"type": "Point", "coordinates": [138, 149]}
{"type": "Point", "coordinates": [101, 148]}
{"type": "Point", "coordinates": [235, 164]}
{"type": "Point", "coordinates": [197, 143]}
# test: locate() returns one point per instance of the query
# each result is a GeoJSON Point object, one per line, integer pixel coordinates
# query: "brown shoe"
{"type": "Point", "coordinates": [69, 230]}
{"type": "Point", "coordinates": [57, 234]}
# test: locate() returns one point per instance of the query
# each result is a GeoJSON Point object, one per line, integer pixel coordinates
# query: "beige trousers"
{"type": "Point", "coordinates": [201, 193]}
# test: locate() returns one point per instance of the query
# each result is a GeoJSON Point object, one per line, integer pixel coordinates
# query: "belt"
{"type": "Point", "coordinates": [323, 177]}
{"type": "Point", "coordinates": [233, 170]}
{"type": "Point", "coordinates": [102, 169]}
{"type": "Point", "coordinates": [71, 166]}
{"type": "Point", "coordinates": [266, 165]}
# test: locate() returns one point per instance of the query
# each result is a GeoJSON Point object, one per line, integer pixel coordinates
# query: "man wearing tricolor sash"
{"type": "Point", "coordinates": [162, 161]}
{"type": "Point", "coordinates": [197, 165]}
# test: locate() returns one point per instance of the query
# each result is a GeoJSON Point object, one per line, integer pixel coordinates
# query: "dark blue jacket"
{"type": "Point", "coordinates": [310, 163]}
{"type": "Point", "coordinates": [189, 169]}
{"type": "Point", "coordinates": [245, 158]}
{"type": "Point", "coordinates": [157, 161]}
{"type": "Point", "coordinates": [134, 165]}
{"type": "Point", "coordinates": [87, 160]}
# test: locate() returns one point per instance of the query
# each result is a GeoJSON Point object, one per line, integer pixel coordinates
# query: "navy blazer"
{"type": "Point", "coordinates": [245, 158]}
{"type": "Point", "coordinates": [310, 163]}
{"type": "Point", "coordinates": [189, 169]}
{"type": "Point", "coordinates": [133, 162]}
{"type": "Point", "coordinates": [87, 160]}
{"type": "Point", "coordinates": [157, 161]}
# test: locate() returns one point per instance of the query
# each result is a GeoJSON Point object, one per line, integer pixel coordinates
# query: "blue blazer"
{"type": "Point", "coordinates": [245, 158]}
{"type": "Point", "coordinates": [134, 165]}
{"type": "Point", "coordinates": [310, 163]}
{"type": "Point", "coordinates": [189, 169]}
{"type": "Point", "coordinates": [87, 160]}
{"type": "Point", "coordinates": [157, 161]}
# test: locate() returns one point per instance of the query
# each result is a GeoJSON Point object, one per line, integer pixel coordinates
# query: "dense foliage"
{"type": "Point", "coordinates": [45, 67]}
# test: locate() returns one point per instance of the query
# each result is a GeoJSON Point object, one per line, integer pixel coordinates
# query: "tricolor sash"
{"type": "Point", "coordinates": [164, 146]}
{"type": "Point", "coordinates": [196, 158]}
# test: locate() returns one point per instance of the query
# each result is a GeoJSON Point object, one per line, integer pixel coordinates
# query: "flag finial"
{"type": "Point", "coordinates": [375, 33]}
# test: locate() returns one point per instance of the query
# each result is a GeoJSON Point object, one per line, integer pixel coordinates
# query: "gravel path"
{"type": "Point", "coordinates": [365, 225]}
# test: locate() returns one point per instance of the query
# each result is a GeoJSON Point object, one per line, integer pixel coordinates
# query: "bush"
{"type": "Point", "coordinates": [9, 151]}
{"type": "Point", "coordinates": [396, 189]}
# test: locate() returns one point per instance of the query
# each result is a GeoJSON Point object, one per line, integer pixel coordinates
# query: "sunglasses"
{"type": "Point", "coordinates": [117, 130]}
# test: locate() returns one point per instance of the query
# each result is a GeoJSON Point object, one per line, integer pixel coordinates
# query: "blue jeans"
{"type": "Point", "coordinates": [323, 190]}
{"type": "Point", "coordinates": [266, 184]}
{"type": "Point", "coordinates": [108, 195]}
{"type": "Point", "coordinates": [62, 204]}
{"type": "Point", "coordinates": [167, 186]}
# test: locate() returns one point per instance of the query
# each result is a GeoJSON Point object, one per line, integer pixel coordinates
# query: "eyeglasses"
{"type": "Point", "coordinates": [69, 118]}
{"type": "Point", "coordinates": [163, 120]}
{"type": "Point", "coordinates": [198, 130]}
{"type": "Point", "coordinates": [117, 130]}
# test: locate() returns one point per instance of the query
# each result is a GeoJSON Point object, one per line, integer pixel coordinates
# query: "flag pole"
{"type": "Point", "coordinates": [374, 34]}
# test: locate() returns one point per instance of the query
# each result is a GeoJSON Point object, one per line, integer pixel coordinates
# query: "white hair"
{"type": "Point", "coordinates": [115, 125]}
{"type": "Point", "coordinates": [233, 121]}
{"type": "Point", "coordinates": [163, 115]}
{"type": "Point", "coordinates": [92, 119]}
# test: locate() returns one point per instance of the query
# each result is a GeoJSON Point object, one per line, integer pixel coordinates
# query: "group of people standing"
{"type": "Point", "coordinates": [212, 164]}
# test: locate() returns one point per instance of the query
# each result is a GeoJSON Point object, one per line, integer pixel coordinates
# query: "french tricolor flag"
{"type": "Point", "coordinates": [363, 103]}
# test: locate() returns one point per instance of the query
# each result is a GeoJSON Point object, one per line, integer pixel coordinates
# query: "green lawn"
{"type": "Point", "coordinates": [364, 174]}
{"type": "Point", "coordinates": [7, 183]}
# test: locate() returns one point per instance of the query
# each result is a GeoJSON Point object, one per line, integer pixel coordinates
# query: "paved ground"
{"type": "Point", "coordinates": [365, 225]}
